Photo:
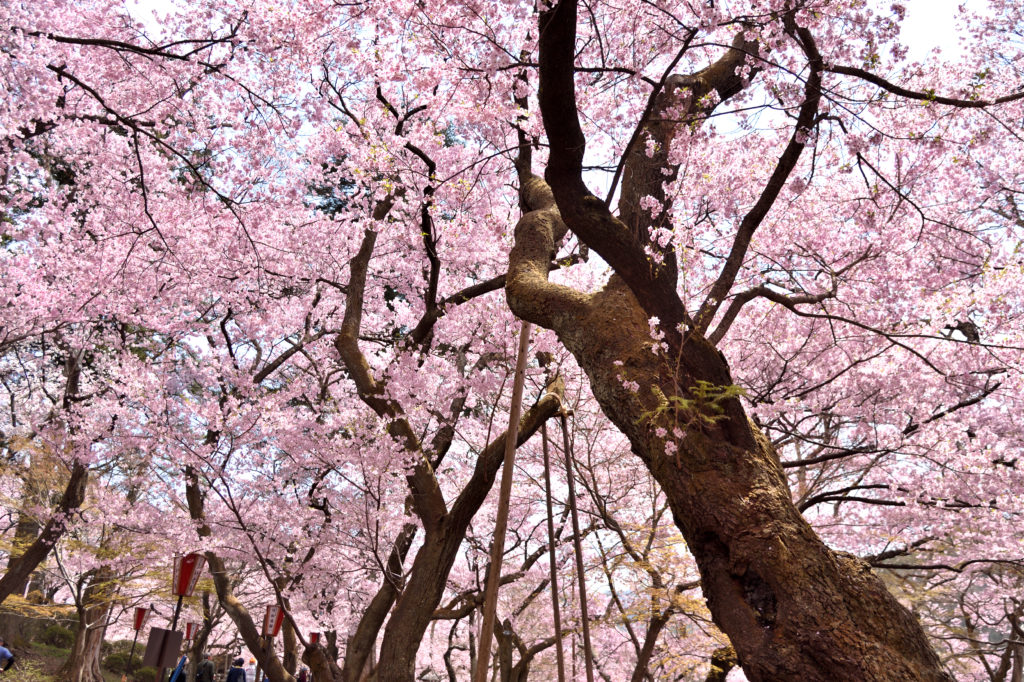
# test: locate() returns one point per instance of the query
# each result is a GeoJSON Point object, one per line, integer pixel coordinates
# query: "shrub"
{"type": "Point", "coordinates": [146, 674]}
{"type": "Point", "coordinates": [58, 636]}
{"type": "Point", "coordinates": [117, 662]}
{"type": "Point", "coordinates": [120, 646]}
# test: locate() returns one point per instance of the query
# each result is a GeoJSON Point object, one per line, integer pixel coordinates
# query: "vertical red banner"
{"type": "Point", "coordinates": [272, 620]}
{"type": "Point", "coordinates": [186, 573]}
{"type": "Point", "coordinates": [141, 613]}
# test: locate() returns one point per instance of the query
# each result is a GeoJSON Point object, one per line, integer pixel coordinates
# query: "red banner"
{"type": "Point", "coordinates": [141, 613]}
{"type": "Point", "coordinates": [272, 620]}
{"type": "Point", "coordinates": [191, 629]}
{"type": "Point", "coordinates": [186, 573]}
{"type": "Point", "coordinates": [314, 637]}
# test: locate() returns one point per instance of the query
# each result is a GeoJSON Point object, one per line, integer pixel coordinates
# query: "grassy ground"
{"type": "Point", "coordinates": [40, 663]}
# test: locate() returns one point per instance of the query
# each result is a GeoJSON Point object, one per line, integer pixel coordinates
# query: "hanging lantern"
{"type": "Point", "coordinates": [141, 614]}
{"type": "Point", "coordinates": [314, 638]}
{"type": "Point", "coordinates": [190, 630]}
{"type": "Point", "coordinates": [272, 620]}
{"type": "Point", "coordinates": [186, 573]}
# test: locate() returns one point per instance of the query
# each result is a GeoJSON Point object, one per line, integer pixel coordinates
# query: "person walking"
{"type": "Point", "coordinates": [236, 673]}
{"type": "Point", "coordinates": [204, 673]}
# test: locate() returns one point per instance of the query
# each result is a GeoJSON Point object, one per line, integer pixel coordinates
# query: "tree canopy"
{"type": "Point", "coordinates": [261, 264]}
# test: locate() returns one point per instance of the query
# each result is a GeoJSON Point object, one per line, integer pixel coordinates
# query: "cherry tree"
{"type": "Point", "coordinates": [668, 389]}
{"type": "Point", "coordinates": [258, 249]}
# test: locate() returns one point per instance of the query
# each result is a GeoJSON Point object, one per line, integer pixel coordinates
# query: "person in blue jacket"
{"type": "Point", "coordinates": [6, 657]}
{"type": "Point", "coordinates": [236, 673]}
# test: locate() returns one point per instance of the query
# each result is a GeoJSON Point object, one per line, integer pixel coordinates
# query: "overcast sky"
{"type": "Point", "coordinates": [931, 23]}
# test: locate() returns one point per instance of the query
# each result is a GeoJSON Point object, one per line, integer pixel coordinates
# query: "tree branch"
{"type": "Point", "coordinates": [928, 96]}
{"type": "Point", "coordinates": [428, 502]}
{"type": "Point", "coordinates": [802, 129]}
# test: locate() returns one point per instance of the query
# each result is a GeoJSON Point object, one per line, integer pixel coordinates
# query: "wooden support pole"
{"type": "Point", "coordinates": [588, 652]}
{"type": "Point", "coordinates": [551, 557]}
{"type": "Point", "coordinates": [500, 525]}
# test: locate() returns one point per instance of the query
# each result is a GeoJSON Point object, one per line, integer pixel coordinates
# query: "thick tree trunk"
{"type": "Point", "coordinates": [413, 611]}
{"type": "Point", "coordinates": [83, 664]}
{"type": "Point", "coordinates": [793, 609]}
{"type": "Point", "coordinates": [321, 664]}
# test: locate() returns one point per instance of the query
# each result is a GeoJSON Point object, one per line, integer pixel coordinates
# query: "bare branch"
{"type": "Point", "coordinates": [927, 96]}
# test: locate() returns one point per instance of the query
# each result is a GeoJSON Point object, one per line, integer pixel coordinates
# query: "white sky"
{"type": "Point", "coordinates": [931, 23]}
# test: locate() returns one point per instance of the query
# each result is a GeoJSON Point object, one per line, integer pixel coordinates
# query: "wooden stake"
{"type": "Point", "coordinates": [588, 652]}
{"type": "Point", "coordinates": [551, 557]}
{"type": "Point", "coordinates": [498, 541]}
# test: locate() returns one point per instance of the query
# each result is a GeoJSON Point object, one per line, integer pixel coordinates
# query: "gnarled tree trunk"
{"type": "Point", "coordinates": [793, 609]}
{"type": "Point", "coordinates": [83, 665]}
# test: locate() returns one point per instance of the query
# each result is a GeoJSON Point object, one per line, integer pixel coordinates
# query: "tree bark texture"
{"type": "Point", "coordinates": [793, 609]}
{"type": "Point", "coordinates": [321, 664]}
{"type": "Point", "coordinates": [83, 665]}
